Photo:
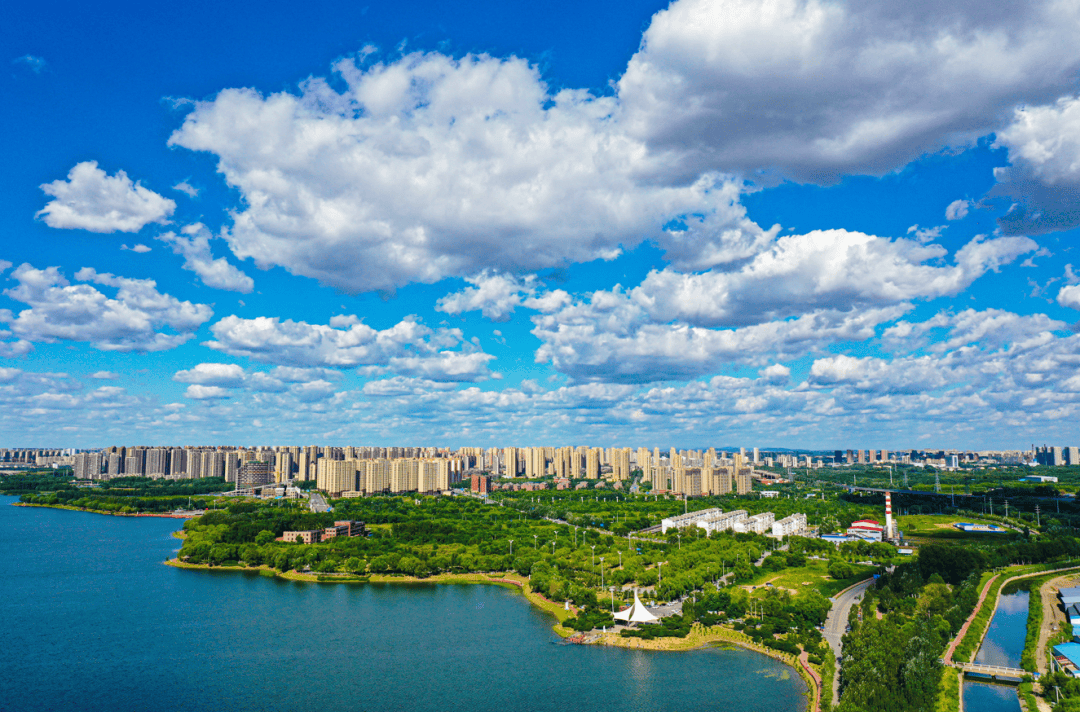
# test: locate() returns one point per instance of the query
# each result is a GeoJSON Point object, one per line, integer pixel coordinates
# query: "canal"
{"type": "Point", "coordinates": [1003, 645]}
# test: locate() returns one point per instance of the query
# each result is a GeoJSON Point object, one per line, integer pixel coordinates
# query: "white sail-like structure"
{"type": "Point", "coordinates": [636, 613]}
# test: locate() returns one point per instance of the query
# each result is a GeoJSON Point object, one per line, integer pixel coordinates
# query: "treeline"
{"type": "Point", "coordinates": [891, 664]}
{"type": "Point", "coordinates": [621, 513]}
{"type": "Point", "coordinates": [123, 495]}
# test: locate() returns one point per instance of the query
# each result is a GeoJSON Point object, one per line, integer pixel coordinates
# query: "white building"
{"type": "Point", "coordinates": [757, 524]}
{"type": "Point", "coordinates": [682, 521]}
{"type": "Point", "coordinates": [793, 525]}
{"type": "Point", "coordinates": [722, 521]}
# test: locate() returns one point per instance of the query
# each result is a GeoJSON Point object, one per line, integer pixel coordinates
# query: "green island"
{"type": "Point", "coordinates": [581, 555]}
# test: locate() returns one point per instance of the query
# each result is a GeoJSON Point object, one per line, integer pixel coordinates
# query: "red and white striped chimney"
{"type": "Point", "coordinates": [888, 515]}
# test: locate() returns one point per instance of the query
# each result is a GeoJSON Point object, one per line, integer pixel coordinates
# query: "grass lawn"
{"type": "Point", "coordinates": [814, 575]}
{"type": "Point", "coordinates": [940, 526]}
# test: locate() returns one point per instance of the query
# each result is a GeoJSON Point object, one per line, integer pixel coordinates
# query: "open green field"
{"type": "Point", "coordinates": [814, 575]}
{"type": "Point", "coordinates": [939, 527]}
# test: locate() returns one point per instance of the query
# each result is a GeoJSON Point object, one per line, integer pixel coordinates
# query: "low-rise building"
{"type": "Point", "coordinates": [989, 528]}
{"type": "Point", "coordinates": [308, 536]}
{"type": "Point", "coordinates": [757, 524]}
{"type": "Point", "coordinates": [866, 529]}
{"type": "Point", "coordinates": [1069, 596]}
{"type": "Point", "coordinates": [682, 521]}
{"type": "Point", "coordinates": [722, 521]}
{"type": "Point", "coordinates": [346, 527]}
{"type": "Point", "coordinates": [1066, 658]}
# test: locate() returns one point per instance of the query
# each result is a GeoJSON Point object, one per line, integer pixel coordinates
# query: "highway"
{"type": "Point", "coordinates": [836, 625]}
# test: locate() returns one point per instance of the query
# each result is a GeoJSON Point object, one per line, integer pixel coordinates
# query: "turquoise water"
{"type": "Point", "coordinates": [93, 621]}
{"type": "Point", "coordinates": [1003, 645]}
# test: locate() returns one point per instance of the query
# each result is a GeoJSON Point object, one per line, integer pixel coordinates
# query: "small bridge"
{"type": "Point", "coordinates": [996, 672]}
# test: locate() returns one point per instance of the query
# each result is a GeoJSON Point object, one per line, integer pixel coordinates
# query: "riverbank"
{"type": "Point", "coordinates": [68, 507]}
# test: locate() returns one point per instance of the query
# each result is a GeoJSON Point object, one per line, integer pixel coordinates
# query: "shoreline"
{"type": "Point", "coordinates": [698, 638]}
{"type": "Point", "coordinates": [69, 508]}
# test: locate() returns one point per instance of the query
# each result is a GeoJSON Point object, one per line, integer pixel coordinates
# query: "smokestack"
{"type": "Point", "coordinates": [888, 515]}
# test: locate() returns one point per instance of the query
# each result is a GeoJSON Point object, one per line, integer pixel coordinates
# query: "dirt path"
{"type": "Point", "coordinates": [1053, 616]}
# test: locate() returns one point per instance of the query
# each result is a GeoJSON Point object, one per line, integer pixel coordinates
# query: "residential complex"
{"type": "Point", "coordinates": [716, 520]}
{"type": "Point", "coordinates": [359, 470]}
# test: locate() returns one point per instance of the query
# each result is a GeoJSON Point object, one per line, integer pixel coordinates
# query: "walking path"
{"type": "Point", "coordinates": [967, 623]}
{"type": "Point", "coordinates": [804, 660]}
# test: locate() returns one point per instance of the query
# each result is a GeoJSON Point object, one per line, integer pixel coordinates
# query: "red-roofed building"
{"type": "Point", "coordinates": [866, 529]}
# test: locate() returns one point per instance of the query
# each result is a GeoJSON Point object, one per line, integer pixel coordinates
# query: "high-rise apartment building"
{"type": "Point", "coordinates": [157, 462]}
{"type": "Point", "coordinates": [87, 466]}
{"type": "Point", "coordinates": [592, 464]}
{"type": "Point", "coordinates": [253, 473]}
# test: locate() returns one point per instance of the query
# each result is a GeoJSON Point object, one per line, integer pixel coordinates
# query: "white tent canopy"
{"type": "Point", "coordinates": [636, 613]}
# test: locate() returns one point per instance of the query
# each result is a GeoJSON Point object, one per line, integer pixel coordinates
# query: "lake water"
{"type": "Point", "coordinates": [93, 621]}
{"type": "Point", "coordinates": [1003, 645]}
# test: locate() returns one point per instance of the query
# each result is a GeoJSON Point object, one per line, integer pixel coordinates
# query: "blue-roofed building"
{"type": "Point", "coordinates": [1066, 658]}
{"type": "Point", "coordinates": [1069, 596]}
{"type": "Point", "coordinates": [1073, 614]}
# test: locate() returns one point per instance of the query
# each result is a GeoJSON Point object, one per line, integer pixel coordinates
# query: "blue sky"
{"type": "Point", "coordinates": [775, 223]}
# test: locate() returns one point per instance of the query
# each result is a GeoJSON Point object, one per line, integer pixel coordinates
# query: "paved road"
{"type": "Point", "coordinates": [836, 623]}
{"type": "Point", "coordinates": [317, 503]}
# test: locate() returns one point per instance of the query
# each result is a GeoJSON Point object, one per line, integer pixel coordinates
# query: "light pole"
{"type": "Point", "coordinates": [594, 556]}
{"type": "Point", "coordinates": [553, 548]}
{"type": "Point", "coordinates": [536, 541]}
{"type": "Point", "coordinates": [620, 559]}
{"type": "Point", "coordinates": [659, 572]}
{"type": "Point", "coordinates": [511, 548]}
{"type": "Point", "coordinates": [601, 572]}
{"type": "Point", "coordinates": [679, 537]}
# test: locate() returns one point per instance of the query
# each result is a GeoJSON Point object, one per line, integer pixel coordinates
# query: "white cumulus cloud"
{"type": "Point", "coordinates": [227, 375]}
{"type": "Point", "coordinates": [407, 348]}
{"type": "Point", "coordinates": [92, 200]}
{"type": "Point", "coordinates": [1044, 175]}
{"type": "Point", "coordinates": [957, 209]}
{"type": "Point", "coordinates": [195, 249]}
{"type": "Point", "coordinates": [429, 167]}
{"type": "Point", "coordinates": [495, 295]}
{"type": "Point", "coordinates": [199, 392]}
{"type": "Point", "coordinates": [137, 318]}
{"type": "Point", "coordinates": [1069, 296]}
{"type": "Point", "coordinates": [815, 89]}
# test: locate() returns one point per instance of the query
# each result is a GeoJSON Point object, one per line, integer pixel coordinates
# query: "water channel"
{"type": "Point", "coordinates": [1003, 645]}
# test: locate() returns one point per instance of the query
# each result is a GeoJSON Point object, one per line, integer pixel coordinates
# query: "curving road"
{"type": "Point", "coordinates": [836, 625]}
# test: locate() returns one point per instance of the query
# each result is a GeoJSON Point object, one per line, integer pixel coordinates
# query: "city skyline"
{"type": "Point", "coordinates": [607, 223]}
